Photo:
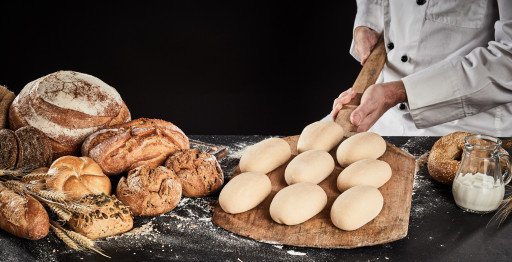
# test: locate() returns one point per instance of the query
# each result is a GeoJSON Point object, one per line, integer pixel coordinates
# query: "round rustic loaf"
{"type": "Point", "coordinates": [148, 191]}
{"type": "Point", "coordinates": [369, 172]}
{"type": "Point", "coordinates": [139, 142]}
{"type": "Point", "coordinates": [297, 203]}
{"type": "Point", "coordinates": [67, 106]}
{"type": "Point", "coordinates": [320, 135]}
{"type": "Point", "coordinates": [199, 172]}
{"type": "Point", "coordinates": [310, 166]}
{"type": "Point", "coordinates": [77, 177]}
{"type": "Point", "coordinates": [265, 155]}
{"type": "Point", "coordinates": [365, 145]}
{"type": "Point", "coordinates": [444, 157]}
{"type": "Point", "coordinates": [356, 207]}
{"type": "Point", "coordinates": [244, 192]}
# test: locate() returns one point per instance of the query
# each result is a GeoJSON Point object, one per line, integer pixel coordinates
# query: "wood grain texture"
{"type": "Point", "coordinates": [390, 225]}
{"type": "Point", "coordinates": [367, 77]}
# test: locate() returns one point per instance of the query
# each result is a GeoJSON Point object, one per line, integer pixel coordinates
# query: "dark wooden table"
{"type": "Point", "coordinates": [438, 230]}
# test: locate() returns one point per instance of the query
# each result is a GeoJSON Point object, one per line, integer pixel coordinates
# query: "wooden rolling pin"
{"type": "Point", "coordinates": [367, 77]}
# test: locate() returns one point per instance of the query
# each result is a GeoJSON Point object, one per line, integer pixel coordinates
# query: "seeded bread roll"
{"type": "Point", "coordinates": [150, 192]}
{"type": "Point", "coordinates": [8, 149]}
{"type": "Point", "coordinates": [22, 215]}
{"type": "Point", "coordinates": [34, 148]}
{"type": "Point", "coordinates": [67, 106]}
{"type": "Point", "coordinates": [139, 142]}
{"type": "Point", "coordinates": [108, 217]}
{"type": "Point", "coordinates": [199, 172]}
{"type": "Point", "coordinates": [444, 157]}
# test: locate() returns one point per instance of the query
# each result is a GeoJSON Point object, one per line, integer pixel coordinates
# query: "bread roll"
{"type": "Point", "coordinates": [22, 216]}
{"type": "Point", "coordinates": [77, 177]}
{"type": "Point", "coordinates": [8, 149]}
{"type": "Point", "coordinates": [369, 172]}
{"type": "Point", "coordinates": [199, 172]}
{"type": "Point", "coordinates": [321, 135]}
{"type": "Point", "coordinates": [265, 156]}
{"type": "Point", "coordinates": [297, 203]}
{"type": "Point", "coordinates": [150, 192]}
{"type": "Point", "coordinates": [365, 145]}
{"type": "Point", "coordinates": [67, 106]}
{"type": "Point", "coordinates": [244, 192]}
{"type": "Point", "coordinates": [107, 217]}
{"type": "Point", "coordinates": [356, 207]}
{"type": "Point", "coordinates": [311, 166]}
{"type": "Point", "coordinates": [139, 142]}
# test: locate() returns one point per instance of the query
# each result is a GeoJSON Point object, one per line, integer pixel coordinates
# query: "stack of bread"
{"type": "Point", "coordinates": [360, 200]}
{"type": "Point", "coordinates": [67, 114]}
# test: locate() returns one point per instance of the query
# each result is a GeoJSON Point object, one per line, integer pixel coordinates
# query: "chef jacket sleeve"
{"type": "Point", "coordinates": [465, 85]}
{"type": "Point", "coordinates": [369, 14]}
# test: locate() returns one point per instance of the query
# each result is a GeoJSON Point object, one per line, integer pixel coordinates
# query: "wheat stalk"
{"type": "Point", "coordinates": [60, 233]}
{"type": "Point", "coordinates": [52, 195]}
{"type": "Point", "coordinates": [63, 214]}
{"type": "Point", "coordinates": [79, 240]}
{"type": "Point", "coordinates": [13, 173]}
{"type": "Point", "coordinates": [35, 176]}
{"type": "Point", "coordinates": [15, 186]}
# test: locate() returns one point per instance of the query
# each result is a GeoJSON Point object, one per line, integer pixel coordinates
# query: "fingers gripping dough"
{"type": "Point", "coordinates": [297, 203]}
{"type": "Point", "coordinates": [356, 207]}
{"type": "Point", "coordinates": [311, 166]}
{"type": "Point", "coordinates": [365, 145]}
{"type": "Point", "coordinates": [321, 135]}
{"type": "Point", "coordinates": [265, 156]}
{"type": "Point", "coordinates": [244, 192]}
{"type": "Point", "coordinates": [370, 172]}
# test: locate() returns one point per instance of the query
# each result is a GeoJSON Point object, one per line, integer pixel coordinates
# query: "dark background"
{"type": "Point", "coordinates": [211, 67]}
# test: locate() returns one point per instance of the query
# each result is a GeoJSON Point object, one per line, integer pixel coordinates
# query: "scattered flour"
{"type": "Point", "coordinates": [295, 253]}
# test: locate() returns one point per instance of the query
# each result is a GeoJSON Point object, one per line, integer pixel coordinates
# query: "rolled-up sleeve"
{"type": "Point", "coordinates": [465, 85]}
{"type": "Point", "coordinates": [369, 14]}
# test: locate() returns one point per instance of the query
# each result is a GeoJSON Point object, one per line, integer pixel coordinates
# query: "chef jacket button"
{"type": "Point", "coordinates": [421, 2]}
{"type": "Point", "coordinates": [391, 46]}
{"type": "Point", "coordinates": [401, 106]}
{"type": "Point", "coordinates": [404, 58]}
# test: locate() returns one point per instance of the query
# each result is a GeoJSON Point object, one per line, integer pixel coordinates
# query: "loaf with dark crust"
{"type": "Point", "coordinates": [150, 192]}
{"type": "Point", "coordinates": [34, 148]}
{"type": "Point", "coordinates": [22, 215]}
{"type": "Point", "coordinates": [8, 149]}
{"type": "Point", "coordinates": [199, 172]}
{"type": "Point", "coordinates": [6, 98]}
{"type": "Point", "coordinates": [139, 142]}
{"type": "Point", "coordinates": [67, 106]}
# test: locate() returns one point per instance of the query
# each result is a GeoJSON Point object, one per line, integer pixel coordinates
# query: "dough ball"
{"type": "Point", "coordinates": [369, 172]}
{"type": "Point", "coordinates": [356, 207]}
{"type": "Point", "coordinates": [321, 135]}
{"type": "Point", "coordinates": [360, 146]}
{"type": "Point", "coordinates": [244, 192]}
{"type": "Point", "coordinates": [297, 203]}
{"type": "Point", "coordinates": [265, 156]}
{"type": "Point", "coordinates": [311, 166]}
{"type": "Point", "coordinates": [199, 172]}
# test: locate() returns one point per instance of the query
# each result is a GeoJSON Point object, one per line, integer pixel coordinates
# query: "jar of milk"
{"type": "Point", "coordinates": [479, 185]}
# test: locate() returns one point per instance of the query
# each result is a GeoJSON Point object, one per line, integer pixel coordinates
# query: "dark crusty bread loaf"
{"type": "Point", "coordinates": [6, 98]}
{"type": "Point", "coordinates": [108, 217]}
{"type": "Point", "coordinates": [199, 172]}
{"type": "Point", "coordinates": [8, 149]}
{"type": "Point", "coordinates": [67, 106]}
{"type": "Point", "coordinates": [34, 148]}
{"type": "Point", "coordinates": [22, 215]}
{"type": "Point", "coordinates": [150, 192]}
{"type": "Point", "coordinates": [139, 142]}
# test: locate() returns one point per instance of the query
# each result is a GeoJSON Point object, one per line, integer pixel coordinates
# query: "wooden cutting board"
{"type": "Point", "coordinates": [390, 225]}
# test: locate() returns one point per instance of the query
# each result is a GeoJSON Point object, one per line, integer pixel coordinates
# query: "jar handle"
{"type": "Point", "coordinates": [508, 175]}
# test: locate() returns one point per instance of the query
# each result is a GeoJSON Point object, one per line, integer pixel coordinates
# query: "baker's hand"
{"type": "Point", "coordinates": [376, 100]}
{"type": "Point", "coordinates": [364, 42]}
{"type": "Point", "coordinates": [343, 99]}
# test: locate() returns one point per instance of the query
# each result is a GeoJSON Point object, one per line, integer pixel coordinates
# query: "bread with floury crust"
{"type": "Point", "coordinates": [139, 142]}
{"type": "Point", "coordinates": [67, 106]}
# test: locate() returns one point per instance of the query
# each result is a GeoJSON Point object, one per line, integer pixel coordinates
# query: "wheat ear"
{"type": "Point", "coordinates": [51, 195]}
{"type": "Point", "coordinates": [15, 186]}
{"type": "Point", "coordinates": [63, 214]}
{"type": "Point", "coordinates": [35, 176]}
{"type": "Point", "coordinates": [59, 232]}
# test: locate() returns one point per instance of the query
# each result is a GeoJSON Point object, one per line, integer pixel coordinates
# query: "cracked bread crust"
{"type": "Point", "coordinates": [199, 172]}
{"type": "Point", "coordinates": [150, 192]}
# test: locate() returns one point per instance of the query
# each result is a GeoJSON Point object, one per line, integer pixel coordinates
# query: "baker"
{"type": "Point", "coordinates": [449, 67]}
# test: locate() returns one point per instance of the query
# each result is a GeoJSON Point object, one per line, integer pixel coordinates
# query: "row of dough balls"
{"type": "Point", "coordinates": [360, 201]}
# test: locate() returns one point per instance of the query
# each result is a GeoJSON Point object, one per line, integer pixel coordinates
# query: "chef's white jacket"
{"type": "Point", "coordinates": [455, 59]}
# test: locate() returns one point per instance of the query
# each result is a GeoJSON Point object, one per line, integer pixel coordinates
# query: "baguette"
{"type": "Point", "coordinates": [22, 215]}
